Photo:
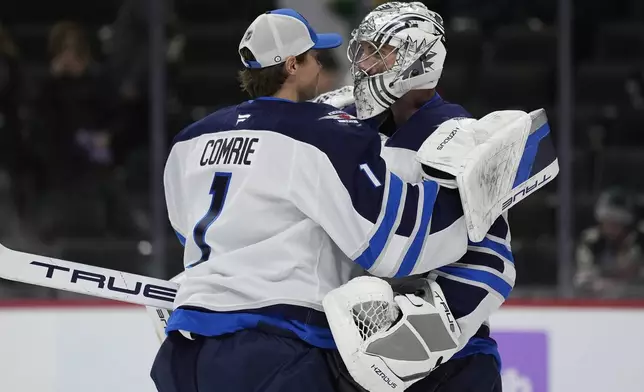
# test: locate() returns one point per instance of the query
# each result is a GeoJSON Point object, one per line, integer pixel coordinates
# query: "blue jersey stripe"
{"type": "Point", "coordinates": [221, 323]}
{"type": "Point", "coordinates": [484, 259]}
{"type": "Point", "coordinates": [379, 239]}
{"type": "Point", "coordinates": [430, 189]}
{"type": "Point", "coordinates": [478, 345]}
{"type": "Point", "coordinates": [181, 238]}
{"type": "Point", "coordinates": [497, 284]}
{"type": "Point", "coordinates": [501, 249]}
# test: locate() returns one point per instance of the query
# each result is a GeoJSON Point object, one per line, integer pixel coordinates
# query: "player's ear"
{"type": "Point", "coordinates": [290, 65]}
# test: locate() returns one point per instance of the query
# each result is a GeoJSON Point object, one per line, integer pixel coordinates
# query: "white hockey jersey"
{"type": "Point", "coordinates": [280, 202]}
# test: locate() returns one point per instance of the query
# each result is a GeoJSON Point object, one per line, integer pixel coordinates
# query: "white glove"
{"type": "Point", "coordinates": [490, 161]}
{"type": "Point", "coordinates": [339, 98]}
{"type": "Point", "coordinates": [388, 343]}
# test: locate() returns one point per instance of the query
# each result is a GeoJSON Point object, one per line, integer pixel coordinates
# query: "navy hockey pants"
{"type": "Point", "coordinates": [474, 373]}
{"type": "Point", "coordinates": [255, 361]}
{"type": "Point", "coordinates": [246, 361]}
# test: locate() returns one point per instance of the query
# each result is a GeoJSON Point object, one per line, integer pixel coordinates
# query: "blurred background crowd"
{"type": "Point", "coordinates": [76, 152]}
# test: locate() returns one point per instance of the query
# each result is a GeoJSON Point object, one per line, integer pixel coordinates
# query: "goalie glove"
{"type": "Point", "coordinates": [339, 98]}
{"type": "Point", "coordinates": [494, 162]}
{"type": "Point", "coordinates": [387, 341]}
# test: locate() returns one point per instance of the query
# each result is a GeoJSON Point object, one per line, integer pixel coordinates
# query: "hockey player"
{"type": "Point", "coordinates": [397, 54]}
{"type": "Point", "coordinates": [278, 201]}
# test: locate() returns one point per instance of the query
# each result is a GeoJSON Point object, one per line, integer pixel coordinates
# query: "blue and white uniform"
{"type": "Point", "coordinates": [478, 283]}
{"type": "Point", "coordinates": [280, 202]}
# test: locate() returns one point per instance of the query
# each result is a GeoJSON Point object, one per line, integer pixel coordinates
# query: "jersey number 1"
{"type": "Point", "coordinates": [218, 191]}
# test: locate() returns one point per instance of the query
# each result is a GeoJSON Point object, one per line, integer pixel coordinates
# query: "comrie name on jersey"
{"type": "Point", "coordinates": [237, 150]}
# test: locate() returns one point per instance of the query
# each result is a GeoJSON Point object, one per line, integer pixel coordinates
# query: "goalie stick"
{"type": "Point", "coordinates": [159, 319]}
{"type": "Point", "coordinates": [86, 279]}
{"type": "Point", "coordinates": [156, 295]}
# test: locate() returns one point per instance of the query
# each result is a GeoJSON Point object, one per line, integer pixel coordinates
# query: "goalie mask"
{"type": "Point", "coordinates": [397, 47]}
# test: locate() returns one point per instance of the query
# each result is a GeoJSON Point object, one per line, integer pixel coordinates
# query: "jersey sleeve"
{"type": "Point", "coordinates": [378, 220]}
{"type": "Point", "coordinates": [479, 283]}
{"type": "Point", "coordinates": [173, 196]}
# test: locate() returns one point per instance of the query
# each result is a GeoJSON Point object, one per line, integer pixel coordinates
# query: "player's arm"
{"type": "Point", "coordinates": [478, 284]}
{"type": "Point", "coordinates": [475, 286]}
{"type": "Point", "coordinates": [379, 221]}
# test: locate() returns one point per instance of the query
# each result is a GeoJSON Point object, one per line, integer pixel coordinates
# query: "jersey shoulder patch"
{"type": "Point", "coordinates": [340, 117]}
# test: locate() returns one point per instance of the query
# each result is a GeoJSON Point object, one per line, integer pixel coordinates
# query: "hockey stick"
{"type": "Point", "coordinates": [89, 280]}
{"type": "Point", "coordinates": [161, 316]}
{"type": "Point", "coordinates": [159, 319]}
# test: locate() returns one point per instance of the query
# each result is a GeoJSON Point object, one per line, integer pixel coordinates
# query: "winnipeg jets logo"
{"type": "Point", "coordinates": [341, 117]}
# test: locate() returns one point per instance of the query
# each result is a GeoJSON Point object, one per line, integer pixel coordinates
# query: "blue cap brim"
{"type": "Point", "coordinates": [328, 41]}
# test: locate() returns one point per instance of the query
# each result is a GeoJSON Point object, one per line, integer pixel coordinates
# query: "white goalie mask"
{"type": "Point", "coordinates": [397, 47]}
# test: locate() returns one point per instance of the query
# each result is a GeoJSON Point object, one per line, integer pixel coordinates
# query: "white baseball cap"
{"type": "Point", "coordinates": [278, 34]}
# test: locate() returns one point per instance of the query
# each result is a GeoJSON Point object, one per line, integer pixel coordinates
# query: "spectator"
{"type": "Point", "coordinates": [74, 111]}
{"type": "Point", "coordinates": [12, 148]}
{"type": "Point", "coordinates": [73, 106]}
{"type": "Point", "coordinates": [610, 255]}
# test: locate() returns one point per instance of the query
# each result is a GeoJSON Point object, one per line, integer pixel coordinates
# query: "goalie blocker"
{"type": "Point", "coordinates": [495, 162]}
{"type": "Point", "coordinates": [386, 341]}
